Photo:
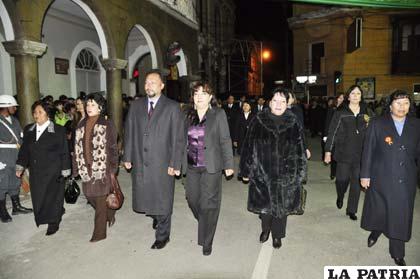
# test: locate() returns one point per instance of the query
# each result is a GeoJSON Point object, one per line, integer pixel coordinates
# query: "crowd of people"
{"type": "Point", "coordinates": [370, 149]}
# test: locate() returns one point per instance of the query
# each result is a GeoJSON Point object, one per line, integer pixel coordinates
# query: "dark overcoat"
{"type": "Point", "coordinates": [47, 159]}
{"type": "Point", "coordinates": [273, 158]}
{"type": "Point", "coordinates": [152, 145]}
{"type": "Point", "coordinates": [241, 127]}
{"type": "Point", "coordinates": [390, 161]}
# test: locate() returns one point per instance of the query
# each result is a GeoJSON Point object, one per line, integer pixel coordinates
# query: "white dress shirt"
{"type": "Point", "coordinates": [41, 128]}
{"type": "Point", "coordinates": [246, 114]}
{"type": "Point", "coordinates": [154, 100]}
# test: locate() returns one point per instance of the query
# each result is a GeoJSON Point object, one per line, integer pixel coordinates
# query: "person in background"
{"type": "Point", "coordinates": [232, 112]}
{"type": "Point", "coordinates": [96, 160]}
{"type": "Point", "coordinates": [345, 136]}
{"type": "Point", "coordinates": [390, 160]}
{"type": "Point", "coordinates": [330, 112]}
{"type": "Point", "coordinates": [10, 141]}
{"type": "Point", "coordinates": [242, 124]}
{"type": "Point", "coordinates": [44, 152]}
{"type": "Point", "coordinates": [207, 152]}
{"type": "Point", "coordinates": [60, 117]}
{"type": "Point", "coordinates": [274, 162]}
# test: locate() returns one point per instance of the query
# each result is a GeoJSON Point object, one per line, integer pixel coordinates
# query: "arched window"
{"type": "Point", "coordinates": [88, 78]}
{"type": "Point", "coordinates": [86, 61]}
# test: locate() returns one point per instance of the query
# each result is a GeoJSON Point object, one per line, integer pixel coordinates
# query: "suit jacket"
{"type": "Point", "coordinates": [218, 153]}
{"type": "Point", "coordinates": [391, 162]}
{"type": "Point", "coordinates": [152, 145]}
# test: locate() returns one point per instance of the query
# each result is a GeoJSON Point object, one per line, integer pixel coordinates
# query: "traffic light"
{"type": "Point", "coordinates": [338, 77]}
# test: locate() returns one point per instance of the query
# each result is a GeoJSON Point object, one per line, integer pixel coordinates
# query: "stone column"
{"type": "Point", "coordinates": [113, 69]}
{"type": "Point", "coordinates": [25, 53]}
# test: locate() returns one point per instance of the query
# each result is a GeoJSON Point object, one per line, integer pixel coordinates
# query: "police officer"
{"type": "Point", "coordinates": [10, 140]}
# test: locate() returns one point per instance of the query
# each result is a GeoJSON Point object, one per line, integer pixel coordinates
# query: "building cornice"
{"type": "Point", "coordinates": [175, 13]}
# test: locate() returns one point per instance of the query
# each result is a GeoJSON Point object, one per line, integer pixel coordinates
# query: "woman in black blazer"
{"type": "Point", "coordinates": [390, 160]}
{"type": "Point", "coordinates": [242, 123]}
{"type": "Point", "coordinates": [208, 151]}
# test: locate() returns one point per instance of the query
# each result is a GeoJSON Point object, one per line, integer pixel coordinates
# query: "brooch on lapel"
{"type": "Point", "coordinates": [366, 118]}
{"type": "Point", "coordinates": [388, 140]}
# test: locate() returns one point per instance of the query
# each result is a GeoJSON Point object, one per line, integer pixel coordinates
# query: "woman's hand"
{"type": "Point", "coordinates": [327, 157]}
{"type": "Point", "coordinates": [365, 182]}
{"type": "Point", "coordinates": [19, 173]}
{"type": "Point", "coordinates": [229, 172]}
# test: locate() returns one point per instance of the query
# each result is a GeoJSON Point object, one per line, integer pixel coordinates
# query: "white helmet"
{"type": "Point", "coordinates": [7, 101]}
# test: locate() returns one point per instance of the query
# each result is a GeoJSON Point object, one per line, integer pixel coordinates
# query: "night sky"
{"type": "Point", "coordinates": [266, 21]}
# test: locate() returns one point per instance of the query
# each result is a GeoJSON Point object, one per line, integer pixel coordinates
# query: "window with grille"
{"type": "Point", "coordinates": [87, 61]}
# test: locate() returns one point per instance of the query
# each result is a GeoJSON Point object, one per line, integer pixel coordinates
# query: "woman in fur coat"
{"type": "Point", "coordinates": [95, 160]}
{"type": "Point", "coordinates": [273, 160]}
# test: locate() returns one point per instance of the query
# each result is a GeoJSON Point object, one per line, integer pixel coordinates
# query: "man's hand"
{"type": "Point", "coordinates": [235, 144]}
{"type": "Point", "coordinates": [128, 165]}
{"type": "Point", "coordinates": [365, 182]}
{"type": "Point", "coordinates": [229, 172]}
{"type": "Point", "coordinates": [172, 171]}
{"type": "Point", "coordinates": [327, 157]}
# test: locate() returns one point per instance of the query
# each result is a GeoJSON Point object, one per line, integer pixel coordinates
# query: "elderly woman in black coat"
{"type": "Point", "coordinates": [45, 152]}
{"type": "Point", "coordinates": [390, 161]}
{"type": "Point", "coordinates": [273, 160]}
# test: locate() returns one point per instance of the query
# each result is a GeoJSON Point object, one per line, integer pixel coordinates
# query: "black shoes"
{"type": "Point", "coordinates": [18, 208]}
{"type": "Point", "coordinates": [352, 216]}
{"type": "Point", "coordinates": [207, 251]}
{"type": "Point", "coordinates": [399, 261]}
{"type": "Point", "coordinates": [339, 203]}
{"type": "Point", "coordinates": [276, 243]}
{"type": "Point", "coordinates": [4, 214]}
{"type": "Point", "coordinates": [372, 239]}
{"type": "Point", "coordinates": [52, 229]}
{"type": "Point", "coordinates": [264, 236]}
{"type": "Point", "coordinates": [154, 226]}
{"type": "Point", "coordinates": [159, 244]}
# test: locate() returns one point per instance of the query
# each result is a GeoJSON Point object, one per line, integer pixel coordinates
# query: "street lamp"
{"type": "Point", "coordinates": [306, 80]}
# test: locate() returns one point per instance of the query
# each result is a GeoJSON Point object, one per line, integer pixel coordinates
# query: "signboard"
{"type": "Point", "coordinates": [61, 66]}
{"type": "Point", "coordinates": [401, 4]}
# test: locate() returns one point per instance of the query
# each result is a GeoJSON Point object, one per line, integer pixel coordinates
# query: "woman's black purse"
{"type": "Point", "coordinates": [72, 191]}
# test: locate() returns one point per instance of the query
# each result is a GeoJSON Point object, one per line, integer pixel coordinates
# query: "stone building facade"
{"type": "Point", "coordinates": [342, 46]}
{"type": "Point", "coordinates": [67, 46]}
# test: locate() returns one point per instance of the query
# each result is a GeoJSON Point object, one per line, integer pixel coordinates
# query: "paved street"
{"type": "Point", "coordinates": [322, 236]}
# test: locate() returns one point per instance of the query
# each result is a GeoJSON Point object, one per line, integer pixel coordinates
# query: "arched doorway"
{"type": "Point", "coordinates": [141, 55]}
{"type": "Point", "coordinates": [83, 31]}
{"type": "Point", "coordinates": [7, 77]}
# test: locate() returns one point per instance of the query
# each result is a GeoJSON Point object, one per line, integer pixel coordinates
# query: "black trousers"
{"type": "Point", "coordinates": [10, 184]}
{"type": "Point", "coordinates": [333, 168]}
{"type": "Point", "coordinates": [396, 246]}
{"type": "Point", "coordinates": [348, 173]}
{"type": "Point", "coordinates": [203, 192]}
{"type": "Point", "coordinates": [163, 229]}
{"type": "Point", "coordinates": [276, 225]}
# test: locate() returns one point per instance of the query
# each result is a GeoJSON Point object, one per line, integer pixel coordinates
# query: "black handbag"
{"type": "Point", "coordinates": [72, 191]}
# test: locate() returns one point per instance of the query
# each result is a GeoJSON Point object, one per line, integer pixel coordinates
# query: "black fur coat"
{"type": "Point", "coordinates": [274, 159]}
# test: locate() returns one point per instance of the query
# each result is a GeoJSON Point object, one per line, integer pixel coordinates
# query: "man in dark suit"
{"type": "Point", "coordinates": [260, 104]}
{"type": "Point", "coordinates": [153, 149]}
{"type": "Point", "coordinates": [232, 113]}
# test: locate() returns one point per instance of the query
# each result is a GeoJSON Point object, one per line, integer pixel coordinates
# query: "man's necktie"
{"type": "Point", "coordinates": [151, 109]}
